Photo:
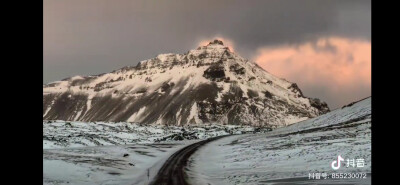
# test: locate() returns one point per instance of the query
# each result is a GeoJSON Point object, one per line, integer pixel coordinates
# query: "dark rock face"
{"type": "Point", "coordinates": [68, 104]}
{"type": "Point", "coordinates": [236, 68]}
{"type": "Point", "coordinates": [234, 115]}
{"type": "Point", "coordinates": [252, 93]}
{"type": "Point", "coordinates": [215, 72]}
{"type": "Point", "coordinates": [217, 42]}
{"type": "Point", "coordinates": [296, 89]}
{"type": "Point", "coordinates": [320, 105]}
{"type": "Point", "coordinates": [165, 86]}
{"type": "Point", "coordinates": [268, 94]}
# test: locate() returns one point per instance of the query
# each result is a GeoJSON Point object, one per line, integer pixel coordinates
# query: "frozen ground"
{"type": "Point", "coordinates": [116, 153]}
{"type": "Point", "coordinates": [128, 164]}
{"type": "Point", "coordinates": [62, 134]}
{"type": "Point", "coordinates": [288, 155]}
{"type": "Point", "coordinates": [128, 153]}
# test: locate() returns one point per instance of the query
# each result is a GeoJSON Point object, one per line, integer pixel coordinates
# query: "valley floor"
{"type": "Point", "coordinates": [74, 153]}
{"type": "Point", "coordinates": [116, 153]}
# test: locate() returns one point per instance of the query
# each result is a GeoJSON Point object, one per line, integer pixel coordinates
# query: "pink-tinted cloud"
{"type": "Point", "coordinates": [340, 66]}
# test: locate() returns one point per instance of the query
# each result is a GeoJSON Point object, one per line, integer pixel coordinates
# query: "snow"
{"type": "Point", "coordinates": [136, 116]}
{"type": "Point", "coordinates": [78, 114]}
{"type": "Point", "coordinates": [106, 164]}
{"type": "Point", "coordinates": [93, 152]}
{"type": "Point", "coordinates": [76, 77]}
{"type": "Point", "coordinates": [194, 114]}
{"type": "Point", "coordinates": [65, 134]}
{"type": "Point", "coordinates": [290, 152]}
{"type": "Point", "coordinates": [70, 171]}
{"type": "Point", "coordinates": [225, 89]}
{"type": "Point", "coordinates": [293, 119]}
{"type": "Point", "coordinates": [89, 102]}
{"type": "Point", "coordinates": [48, 108]}
{"type": "Point", "coordinates": [175, 68]}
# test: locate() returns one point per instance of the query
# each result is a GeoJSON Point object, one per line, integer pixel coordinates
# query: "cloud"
{"type": "Point", "coordinates": [341, 67]}
{"type": "Point", "coordinates": [89, 37]}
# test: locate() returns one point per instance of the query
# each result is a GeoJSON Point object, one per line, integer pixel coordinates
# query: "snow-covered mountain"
{"type": "Point", "coordinates": [209, 84]}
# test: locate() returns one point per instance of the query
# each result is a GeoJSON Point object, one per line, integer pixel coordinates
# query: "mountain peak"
{"type": "Point", "coordinates": [209, 84]}
{"type": "Point", "coordinates": [217, 42]}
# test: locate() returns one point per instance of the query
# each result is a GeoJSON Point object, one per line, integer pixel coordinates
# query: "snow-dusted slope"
{"type": "Point", "coordinates": [290, 153]}
{"type": "Point", "coordinates": [208, 84]}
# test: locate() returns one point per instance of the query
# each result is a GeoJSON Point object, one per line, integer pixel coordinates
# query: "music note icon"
{"type": "Point", "coordinates": [336, 167]}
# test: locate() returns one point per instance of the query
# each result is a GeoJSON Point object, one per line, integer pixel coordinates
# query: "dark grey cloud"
{"type": "Point", "coordinates": [96, 36]}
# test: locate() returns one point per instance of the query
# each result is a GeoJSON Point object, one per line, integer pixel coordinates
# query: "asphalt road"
{"type": "Point", "coordinates": [172, 172]}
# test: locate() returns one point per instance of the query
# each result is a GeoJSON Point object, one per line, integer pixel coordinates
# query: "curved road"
{"type": "Point", "coordinates": [172, 172]}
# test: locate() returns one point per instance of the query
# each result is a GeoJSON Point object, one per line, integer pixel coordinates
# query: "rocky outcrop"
{"type": "Point", "coordinates": [320, 105]}
{"type": "Point", "coordinates": [215, 72]}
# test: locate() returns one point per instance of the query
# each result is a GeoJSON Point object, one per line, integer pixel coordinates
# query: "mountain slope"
{"type": "Point", "coordinates": [208, 84]}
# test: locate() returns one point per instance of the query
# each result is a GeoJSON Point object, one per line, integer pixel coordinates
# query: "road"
{"type": "Point", "coordinates": [172, 172]}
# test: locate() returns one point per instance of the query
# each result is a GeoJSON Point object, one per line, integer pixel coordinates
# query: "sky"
{"type": "Point", "coordinates": [322, 45]}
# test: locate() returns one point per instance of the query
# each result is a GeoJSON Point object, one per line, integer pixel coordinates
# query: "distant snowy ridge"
{"type": "Point", "coordinates": [353, 112]}
{"type": "Point", "coordinates": [209, 84]}
{"type": "Point", "coordinates": [66, 134]}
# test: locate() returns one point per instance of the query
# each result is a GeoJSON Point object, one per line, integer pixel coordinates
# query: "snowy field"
{"type": "Point", "coordinates": [288, 155]}
{"type": "Point", "coordinates": [116, 153]}
{"type": "Point", "coordinates": [62, 134]}
{"type": "Point", "coordinates": [129, 153]}
{"type": "Point", "coordinates": [124, 164]}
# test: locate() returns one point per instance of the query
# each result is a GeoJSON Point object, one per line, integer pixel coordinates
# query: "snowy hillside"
{"type": "Point", "coordinates": [209, 84]}
{"type": "Point", "coordinates": [287, 155]}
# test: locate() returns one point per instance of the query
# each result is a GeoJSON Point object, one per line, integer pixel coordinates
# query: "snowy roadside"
{"type": "Point", "coordinates": [291, 152]}
{"type": "Point", "coordinates": [123, 164]}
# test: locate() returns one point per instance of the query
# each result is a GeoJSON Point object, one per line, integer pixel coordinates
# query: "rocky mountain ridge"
{"type": "Point", "coordinates": [209, 84]}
